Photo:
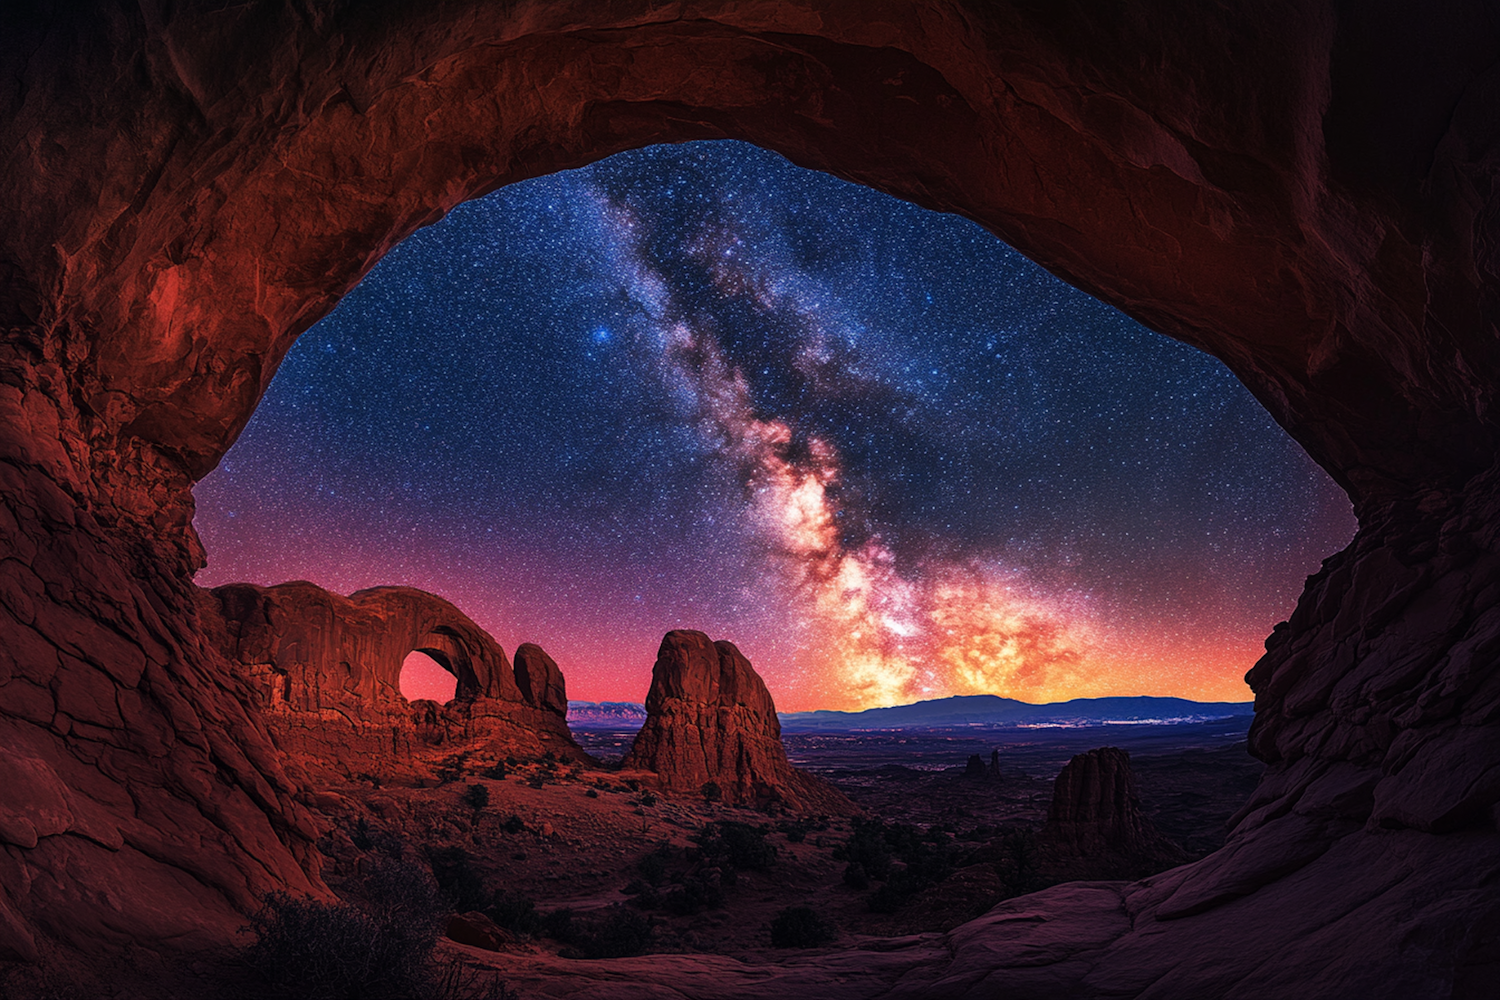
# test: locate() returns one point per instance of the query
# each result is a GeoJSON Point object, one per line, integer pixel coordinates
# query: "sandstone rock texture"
{"type": "Point", "coordinates": [540, 680]}
{"type": "Point", "coordinates": [326, 672]}
{"type": "Point", "coordinates": [1095, 804]}
{"type": "Point", "coordinates": [709, 718]}
{"type": "Point", "coordinates": [1308, 190]}
{"type": "Point", "coordinates": [1096, 814]}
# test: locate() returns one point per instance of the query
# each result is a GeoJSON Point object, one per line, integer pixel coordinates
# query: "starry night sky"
{"type": "Point", "coordinates": [697, 387]}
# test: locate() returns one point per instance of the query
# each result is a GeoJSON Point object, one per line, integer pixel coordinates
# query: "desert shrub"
{"type": "Point", "coordinates": [855, 876]}
{"type": "Point", "coordinates": [653, 867]}
{"type": "Point", "coordinates": [796, 830]}
{"type": "Point", "coordinates": [642, 894]}
{"type": "Point", "coordinates": [476, 797]}
{"type": "Point", "coordinates": [451, 768]}
{"type": "Point", "coordinates": [513, 824]}
{"type": "Point", "coordinates": [592, 793]}
{"type": "Point", "coordinates": [514, 912]}
{"type": "Point", "coordinates": [360, 835]}
{"type": "Point", "coordinates": [632, 784]}
{"type": "Point", "coordinates": [739, 845]}
{"type": "Point", "coordinates": [647, 798]}
{"type": "Point", "coordinates": [368, 837]}
{"type": "Point", "coordinates": [556, 923]}
{"type": "Point", "coordinates": [456, 876]}
{"type": "Point", "coordinates": [929, 858]}
{"type": "Point", "coordinates": [537, 780]}
{"type": "Point", "coordinates": [550, 757]}
{"type": "Point", "coordinates": [867, 848]}
{"type": "Point", "coordinates": [711, 791]}
{"type": "Point", "coordinates": [695, 893]}
{"type": "Point", "coordinates": [893, 894]}
{"type": "Point", "coordinates": [496, 771]}
{"type": "Point", "coordinates": [512, 762]}
{"type": "Point", "coordinates": [801, 927]}
{"type": "Point", "coordinates": [307, 948]}
{"type": "Point", "coordinates": [611, 932]}
{"type": "Point", "coordinates": [403, 890]}
{"type": "Point", "coordinates": [457, 981]}
{"type": "Point", "coordinates": [1018, 862]}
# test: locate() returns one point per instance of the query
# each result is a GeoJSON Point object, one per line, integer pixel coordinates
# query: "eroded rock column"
{"type": "Point", "coordinates": [709, 718]}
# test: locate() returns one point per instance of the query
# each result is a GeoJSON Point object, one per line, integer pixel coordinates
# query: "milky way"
{"type": "Point", "coordinates": [697, 387]}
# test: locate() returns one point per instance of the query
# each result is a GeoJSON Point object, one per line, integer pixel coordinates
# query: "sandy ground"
{"type": "Point", "coordinates": [561, 846]}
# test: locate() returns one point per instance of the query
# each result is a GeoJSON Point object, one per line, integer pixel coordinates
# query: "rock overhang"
{"type": "Point", "coordinates": [1305, 192]}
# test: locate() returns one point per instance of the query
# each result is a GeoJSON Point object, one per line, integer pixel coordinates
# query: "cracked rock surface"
{"type": "Point", "coordinates": [709, 718]}
{"type": "Point", "coordinates": [1307, 191]}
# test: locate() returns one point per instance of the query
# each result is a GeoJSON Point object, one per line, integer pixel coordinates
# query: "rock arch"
{"type": "Point", "coordinates": [330, 667]}
{"type": "Point", "coordinates": [439, 661]}
{"type": "Point", "coordinates": [1306, 191]}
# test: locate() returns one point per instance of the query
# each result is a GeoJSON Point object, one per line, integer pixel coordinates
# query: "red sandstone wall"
{"type": "Point", "coordinates": [1306, 190]}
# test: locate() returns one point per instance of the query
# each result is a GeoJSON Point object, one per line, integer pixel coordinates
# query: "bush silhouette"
{"type": "Point", "coordinates": [308, 948]}
{"type": "Point", "coordinates": [367, 837]}
{"type": "Point", "coordinates": [867, 848]}
{"type": "Point", "coordinates": [695, 893]}
{"type": "Point", "coordinates": [653, 867]}
{"type": "Point", "coordinates": [476, 797]}
{"type": "Point", "coordinates": [711, 791]}
{"type": "Point", "coordinates": [456, 876]}
{"type": "Point", "coordinates": [514, 912]}
{"type": "Point", "coordinates": [739, 845]}
{"type": "Point", "coordinates": [801, 927]}
{"type": "Point", "coordinates": [452, 767]}
{"type": "Point", "coordinates": [611, 932]}
{"type": "Point", "coordinates": [796, 830]}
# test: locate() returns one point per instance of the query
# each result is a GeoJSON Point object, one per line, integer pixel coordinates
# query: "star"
{"type": "Point", "coordinates": [696, 386]}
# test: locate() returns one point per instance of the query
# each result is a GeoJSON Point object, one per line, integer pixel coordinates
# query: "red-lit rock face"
{"type": "Point", "coordinates": [326, 672]}
{"type": "Point", "coordinates": [1306, 191]}
{"type": "Point", "coordinates": [540, 680]}
{"type": "Point", "coordinates": [709, 718]}
{"type": "Point", "coordinates": [1095, 805]}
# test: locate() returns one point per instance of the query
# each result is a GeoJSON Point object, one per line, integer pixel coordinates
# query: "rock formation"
{"type": "Point", "coordinates": [540, 680]}
{"type": "Point", "coordinates": [976, 769]}
{"type": "Point", "coordinates": [326, 672]}
{"type": "Point", "coordinates": [709, 718]}
{"type": "Point", "coordinates": [1308, 190]}
{"type": "Point", "coordinates": [1096, 810]}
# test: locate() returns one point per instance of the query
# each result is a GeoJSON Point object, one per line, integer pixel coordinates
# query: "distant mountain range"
{"type": "Point", "coordinates": [983, 711]}
{"type": "Point", "coordinates": [989, 711]}
{"type": "Point", "coordinates": [605, 713]}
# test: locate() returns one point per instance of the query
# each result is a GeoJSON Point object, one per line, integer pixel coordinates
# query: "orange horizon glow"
{"type": "Point", "coordinates": [993, 662]}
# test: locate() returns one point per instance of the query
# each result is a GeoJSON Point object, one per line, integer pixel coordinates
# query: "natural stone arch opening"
{"type": "Point", "coordinates": [398, 334]}
{"type": "Point", "coordinates": [1242, 181]}
{"type": "Point", "coordinates": [426, 674]}
{"type": "Point", "coordinates": [446, 648]}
